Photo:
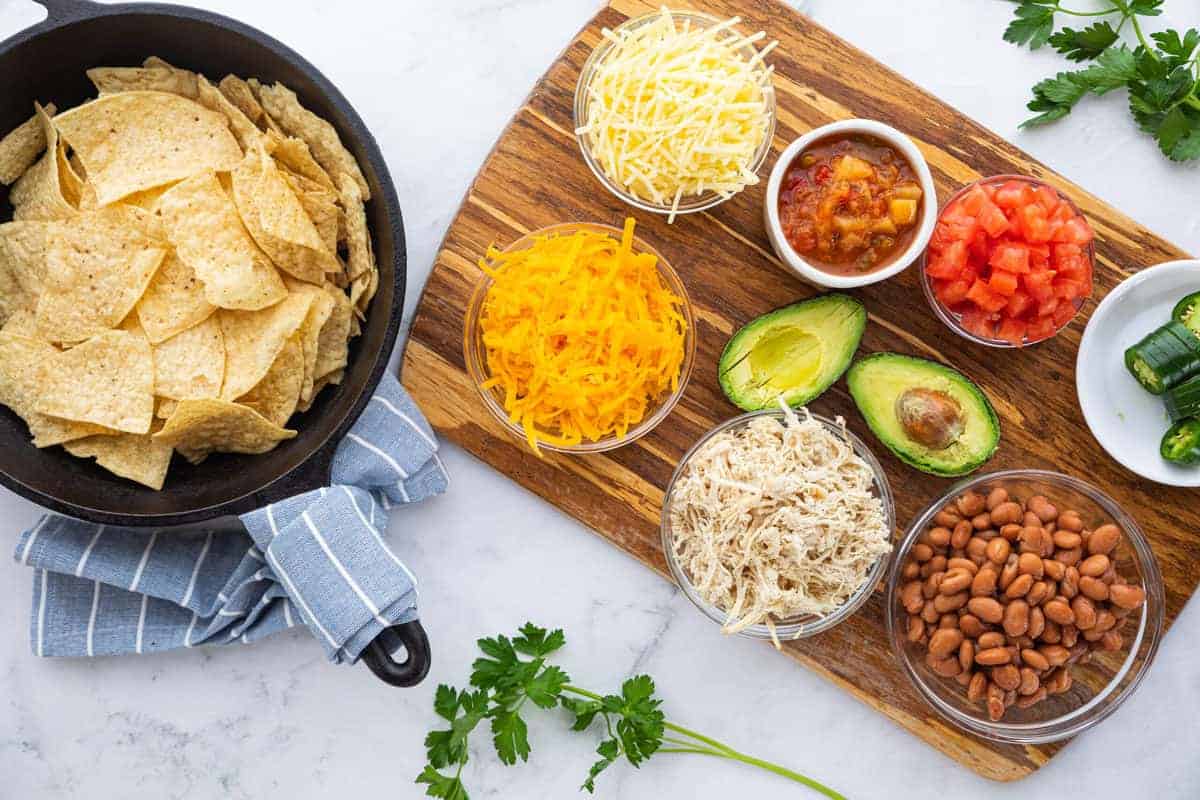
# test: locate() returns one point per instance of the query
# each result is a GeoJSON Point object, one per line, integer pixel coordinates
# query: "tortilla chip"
{"type": "Point", "coordinates": [38, 194]}
{"type": "Point", "coordinates": [332, 379]}
{"type": "Point", "coordinates": [361, 270]}
{"type": "Point", "coordinates": [70, 182]}
{"type": "Point", "coordinates": [243, 129]}
{"type": "Point", "coordinates": [276, 395]}
{"type": "Point", "coordinates": [333, 342]}
{"type": "Point", "coordinates": [140, 458]}
{"type": "Point", "coordinates": [191, 364]}
{"type": "Point", "coordinates": [294, 154]}
{"type": "Point", "coordinates": [110, 80]}
{"type": "Point", "coordinates": [22, 364]}
{"type": "Point", "coordinates": [21, 322]}
{"type": "Point", "coordinates": [203, 224]}
{"type": "Point", "coordinates": [277, 220]}
{"type": "Point", "coordinates": [238, 92]}
{"type": "Point", "coordinates": [174, 301]}
{"type": "Point", "coordinates": [96, 270]}
{"type": "Point", "coordinates": [132, 141]}
{"type": "Point", "coordinates": [310, 331]}
{"type": "Point", "coordinates": [321, 206]}
{"type": "Point", "coordinates": [107, 380]}
{"type": "Point", "coordinates": [23, 248]}
{"type": "Point", "coordinates": [200, 427]}
{"type": "Point", "coordinates": [322, 139]}
{"type": "Point", "coordinates": [22, 146]}
{"type": "Point", "coordinates": [253, 340]}
{"type": "Point", "coordinates": [165, 407]}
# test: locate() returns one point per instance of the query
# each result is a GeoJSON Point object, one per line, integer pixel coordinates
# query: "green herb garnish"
{"type": "Point", "coordinates": [1161, 72]}
{"type": "Point", "coordinates": [504, 681]}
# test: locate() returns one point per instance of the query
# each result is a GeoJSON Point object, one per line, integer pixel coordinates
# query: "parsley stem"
{"type": "Point", "coordinates": [720, 750]}
{"type": "Point", "coordinates": [1142, 38]}
{"type": "Point", "coordinates": [1068, 11]}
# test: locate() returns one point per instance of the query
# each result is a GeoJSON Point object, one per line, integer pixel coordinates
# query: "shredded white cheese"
{"type": "Point", "coordinates": [675, 111]}
{"type": "Point", "coordinates": [777, 520]}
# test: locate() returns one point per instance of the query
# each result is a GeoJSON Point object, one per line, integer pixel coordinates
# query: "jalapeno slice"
{"type": "Point", "coordinates": [1181, 443]}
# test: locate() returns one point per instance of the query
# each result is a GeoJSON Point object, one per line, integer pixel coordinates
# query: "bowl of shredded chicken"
{"type": "Point", "coordinates": [778, 524]}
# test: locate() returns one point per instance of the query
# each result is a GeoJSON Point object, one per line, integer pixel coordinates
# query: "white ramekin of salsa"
{"type": "Point", "coordinates": [849, 204]}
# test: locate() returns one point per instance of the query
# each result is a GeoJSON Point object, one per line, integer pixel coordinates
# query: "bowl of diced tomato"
{"type": "Point", "coordinates": [1010, 261]}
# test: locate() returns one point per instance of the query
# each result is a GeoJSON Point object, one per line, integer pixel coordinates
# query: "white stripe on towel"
{"type": "Point", "coordinates": [33, 534]}
{"type": "Point", "coordinates": [91, 629]}
{"type": "Point", "coordinates": [333, 559]}
{"type": "Point", "coordinates": [407, 419]}
{"type": "Point", "coordinates": [191, 587]}
{"type": "Point", "coordinates": [87, 552]}
{"type": "Point", "coordinates": [42, 611]}
{"type": "Point", "coordinates": [291, 589]}
{"type": "Point", "coordinates": [287, 613]}
{"type": "Point", "coordinates": [137, 646]}
{"type": "Point", "coordinates": [396, 466]}
{"type": "Point", "coordinates": [137, 575]}
{"type": "Point", "coordinates": [187, 637]}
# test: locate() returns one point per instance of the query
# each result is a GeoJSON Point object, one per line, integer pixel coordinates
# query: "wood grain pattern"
{"type": "Point", "coordinates": [535, 177]}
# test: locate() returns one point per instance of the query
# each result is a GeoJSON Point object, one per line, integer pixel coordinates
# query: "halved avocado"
{"type": "Point", "coordinates": [795, 352]}
{"type": "Point", "coordinates": [929, 415]}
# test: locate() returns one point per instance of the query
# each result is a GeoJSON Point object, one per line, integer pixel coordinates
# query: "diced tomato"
{"type": "Point", "coordinates": [1063, 213]}
{"type": "Point", "coordinates": [1014, 194]}
{"type": "Point", "coordinates": [1068, 290]}
{"type": "Point", "coordinates": [1035, 227]}
{"type": "Point", "coordinates": [1047, 197]}
{"type": "Point", "coordinates": [1039, 256]}
{"type": "Point", "coordinates": [939, 267]}
{"type": "Point", "coordinates": [961, 227]}
{"type": "Point", "coordinates": [1076, 269]}
{"type": "Point", "coordinates": [982, 295]}
{"type": "Point", "coordinates": [1011, 257]}
{"type": "Point", "coordinates": [1018, 304]}
{"type": "Point", "coordinates": [953, 292]}
{"type": "Point", "coordinates": [1064, 314]}
{"type": "Point", "coordinates": [1012, 331]}
{"type": "Point", "coordinates": [951, 261]}
{"type": "Point", "coordinates": [1047, 307]}
{"type": "Point", "coordinates": [1065, 250]}
{"type": "Point", "coordinates": [974, 200]}
{"type": "Point", "coordinates": [1075, 231]}
{"type": "Point", "coordinates": [1003, 283]}
{"type": "Point", "coordinates": [1040, 328]}
{"type": "Point", "coordinates": [977, 322]}
{"type": "Point", "coordinates": [992, 220]}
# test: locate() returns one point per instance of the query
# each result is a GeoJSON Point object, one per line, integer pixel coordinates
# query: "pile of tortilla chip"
{"type": "Point", "coordinates": [186, 265]}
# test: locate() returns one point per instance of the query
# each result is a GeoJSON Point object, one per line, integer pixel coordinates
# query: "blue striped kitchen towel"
{"type": "Point", "coordinates": [319, 558]}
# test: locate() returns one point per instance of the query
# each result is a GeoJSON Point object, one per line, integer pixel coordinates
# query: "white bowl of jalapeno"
{"type": "Point", "coordinates": [1138, 373]}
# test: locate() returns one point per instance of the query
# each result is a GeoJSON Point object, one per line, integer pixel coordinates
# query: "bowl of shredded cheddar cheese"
{"type": "Point", "coordinates": [675, 110]}
{"type": "Point", "coordinates": [580, 337]}
{"type": "Point", "coordinates": [778, 524]}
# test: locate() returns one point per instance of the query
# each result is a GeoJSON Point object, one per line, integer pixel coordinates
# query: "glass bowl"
{"type": "Point", "coordinates": [1099, 686]}
{"type": "Point", "coordinates": [475, 355]}
{"type": "Point", "coordinates": [687, 205]}
{"type": "Point", "coordinates": [805, 625]}
{"type": "Point", "coordinates": [952, 319]}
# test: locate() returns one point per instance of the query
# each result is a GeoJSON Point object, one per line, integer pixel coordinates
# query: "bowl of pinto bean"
{"type": "Point", "coordinates": [1025, 605]}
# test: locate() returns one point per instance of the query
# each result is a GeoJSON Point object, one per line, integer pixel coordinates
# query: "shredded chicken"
{"type": "Point", "coordinates": [777, 520]}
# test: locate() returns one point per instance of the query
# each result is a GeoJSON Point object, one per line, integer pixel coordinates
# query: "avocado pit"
{"type": "Point", "coordinates": [930, 418]}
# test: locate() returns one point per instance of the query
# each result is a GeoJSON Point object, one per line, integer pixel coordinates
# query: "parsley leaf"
{"type": "Point", "coordinates": [1086, 44]}
{"type": "Point", "coordinates": [536, 642]}
{"type": "Point", "coordinates": [510, 737]}
{"type": "Point", "coordinates": [1178, 49]}
{"type": "Point", "coordinates": [445, 702]}
{"type": "Point", "coordinates": [1146, 8]}
{"type": "Point", "coordinates": [448, 788]}
{"type": "Point", "coordinates": [1054, 98]}
{"type": "Point", "coordinates": [1032, 24]}
{"type": "Point", "coordinates": [609, 750]}
{"type": "Point", "coordinates": [584, 710]}
{"type": "Point", "coordinates": [1114, 68]}
{"type": "Point", "coordinates": [1178, 134]}
{"type": "Point", "coordinates": [545, 687]}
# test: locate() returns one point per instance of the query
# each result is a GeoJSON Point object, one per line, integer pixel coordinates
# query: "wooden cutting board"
{"type": "Point", "coordinates": [535, 177]}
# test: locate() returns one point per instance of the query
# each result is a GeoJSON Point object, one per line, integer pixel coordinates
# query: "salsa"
{"type": "Point", "coordinates": [850, 204]}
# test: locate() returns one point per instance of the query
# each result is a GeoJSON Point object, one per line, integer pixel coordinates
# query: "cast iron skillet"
{"type": "Point", "coordinates": [47, 63]}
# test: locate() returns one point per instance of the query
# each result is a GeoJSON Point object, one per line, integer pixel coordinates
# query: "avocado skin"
{"type": "Point", "coordinates": [795, 398]}
{"type": "Point", "coordinates": [858, 379]}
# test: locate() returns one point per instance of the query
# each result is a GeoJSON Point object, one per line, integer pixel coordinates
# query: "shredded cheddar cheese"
{"type": "Point", "coordinates": [581, 335]}
{"type": "Point", "coordinates": [675, 111]}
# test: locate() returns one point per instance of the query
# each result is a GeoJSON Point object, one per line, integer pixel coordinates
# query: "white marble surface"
{"type": "Point", "coordinates": [436, 80]}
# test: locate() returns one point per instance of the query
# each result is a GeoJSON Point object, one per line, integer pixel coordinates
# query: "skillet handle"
{"type": "Point", "coordinates": [414, 668]}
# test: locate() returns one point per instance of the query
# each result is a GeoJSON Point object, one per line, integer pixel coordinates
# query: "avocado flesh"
{"type": "Point", "coordinates": [795, 352]}
{"type": "Point", "coordinates": [876, 382]}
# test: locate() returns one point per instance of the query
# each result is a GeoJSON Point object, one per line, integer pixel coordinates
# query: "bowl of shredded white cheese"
{"type": "Point", "coordinates": [778, 524]}
{"type": "Point", "coordinates": [675, 110]}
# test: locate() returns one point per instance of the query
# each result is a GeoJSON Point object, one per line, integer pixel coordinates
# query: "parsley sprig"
{"type": "Point", "coordinates": [514, 672]}
{"type": "Point", "coordinates": [1161, 72]}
